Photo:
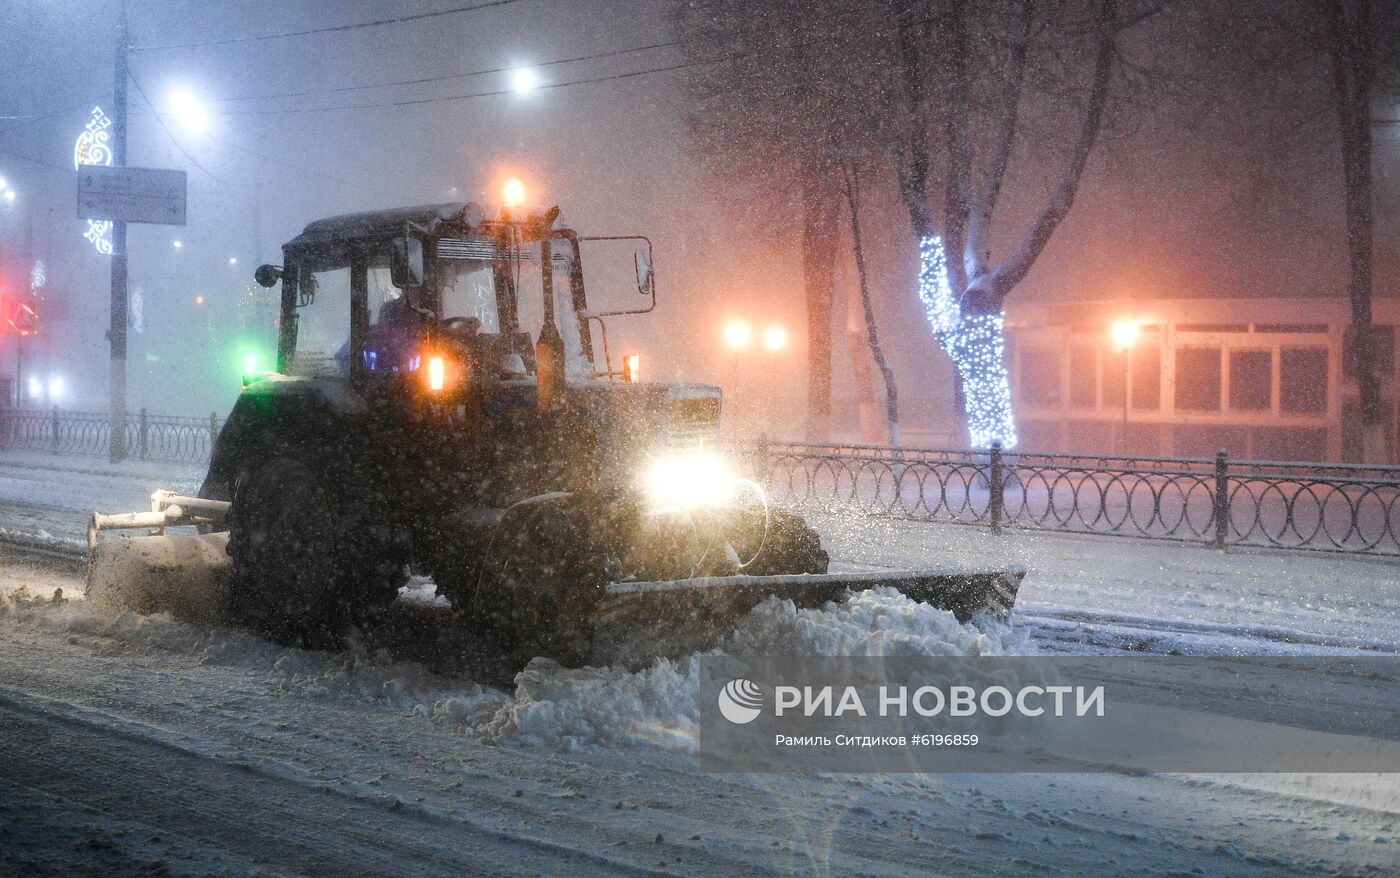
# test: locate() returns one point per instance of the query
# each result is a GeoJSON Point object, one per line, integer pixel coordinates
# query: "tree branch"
{"type": "Point", "coordinates": [958, 182]}
{"type": "Point", "coordinates": [990, 291]}
{"type": "Point", "coordinates": [979, 227]}
{"type": "Point", "coordinates": [912, 160]}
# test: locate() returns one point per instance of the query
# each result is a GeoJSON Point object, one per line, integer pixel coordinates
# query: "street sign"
{"type": "Point", "coordinates": [134, 195]}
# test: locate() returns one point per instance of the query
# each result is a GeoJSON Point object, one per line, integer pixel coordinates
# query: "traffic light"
{"type": "Point", "coordinates": [19, 315]}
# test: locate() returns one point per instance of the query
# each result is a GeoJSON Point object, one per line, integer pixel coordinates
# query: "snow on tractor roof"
{"type": "Point", "coordinates": [387, 222]}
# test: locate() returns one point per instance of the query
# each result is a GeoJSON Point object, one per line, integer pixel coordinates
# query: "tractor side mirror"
{"type": "Point", "coordinates": [644, 272]}
{"type": "Point", "coordinates": [267, 275]}
{"type": "Point", "coordinates": [406, 262]}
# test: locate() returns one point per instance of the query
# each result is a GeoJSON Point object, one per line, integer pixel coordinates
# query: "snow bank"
{"type": "Point", "coordinates": [657, 706]}
{"type": "Point", "coordinates": [551, 707]}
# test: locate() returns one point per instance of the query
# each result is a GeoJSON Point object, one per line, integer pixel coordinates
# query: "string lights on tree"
{"type": "Point", "coordinates": [93, 147]}
{"type": "Point", "coordinates": [977, 344]}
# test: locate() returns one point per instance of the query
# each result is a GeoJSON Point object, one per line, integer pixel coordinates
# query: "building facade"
{"type": "Point", "coordinates": [1267, 379]}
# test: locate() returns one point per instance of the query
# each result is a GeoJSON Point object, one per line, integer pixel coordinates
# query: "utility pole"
{"type": "Point", "coordinates": [117, 332]}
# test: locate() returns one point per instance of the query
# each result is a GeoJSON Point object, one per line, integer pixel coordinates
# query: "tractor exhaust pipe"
{"type": "Point", "coordinates": [549, 350]}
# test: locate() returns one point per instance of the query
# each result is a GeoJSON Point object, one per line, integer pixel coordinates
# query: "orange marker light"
{"type": "Point", "coordinates": [437, 373]}
{"type": "Point", "coordinates": [632, 368]}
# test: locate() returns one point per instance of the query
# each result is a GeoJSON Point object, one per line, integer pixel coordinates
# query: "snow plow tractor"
{"type": "Point", "coordinates": [445, 402]}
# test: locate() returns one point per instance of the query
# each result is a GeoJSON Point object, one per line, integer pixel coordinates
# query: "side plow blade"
{"type": "Point", "coordinates": [674, 618]}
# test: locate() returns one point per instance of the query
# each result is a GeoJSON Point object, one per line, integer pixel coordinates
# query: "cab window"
{"type": "Point", "coordinates": [322, 322]}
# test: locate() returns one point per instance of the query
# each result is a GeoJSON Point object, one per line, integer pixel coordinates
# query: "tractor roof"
{"type": "Point", "coordinates": [377, 223]}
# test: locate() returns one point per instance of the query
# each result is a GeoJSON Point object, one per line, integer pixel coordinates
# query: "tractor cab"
{"type": "Point", "coordinates": [434, 297]}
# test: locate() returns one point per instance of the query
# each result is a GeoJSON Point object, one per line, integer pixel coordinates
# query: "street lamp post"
{"type": "Point", "coordinates": [1125, 335]}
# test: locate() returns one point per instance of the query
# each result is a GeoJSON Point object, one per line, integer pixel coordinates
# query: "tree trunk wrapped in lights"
{"type": "Point", "coordinates": [976, 342]}
{"type": "Point", "coordinates": [943, 55]}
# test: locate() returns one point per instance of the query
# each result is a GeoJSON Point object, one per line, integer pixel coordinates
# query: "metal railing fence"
{"type": "Point", "coordinates": [148, 437]}
{"type": "Point", "coordinates": [1214, 501]}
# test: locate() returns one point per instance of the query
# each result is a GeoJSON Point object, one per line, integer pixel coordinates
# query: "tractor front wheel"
{"type": "Point", "coordinates": [300, 574]}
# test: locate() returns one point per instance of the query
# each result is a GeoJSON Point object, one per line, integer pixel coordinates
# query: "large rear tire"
{"type": "Point", "coordinates": [301, 575]}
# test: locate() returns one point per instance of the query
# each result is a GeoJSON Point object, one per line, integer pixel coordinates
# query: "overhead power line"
{"type": "Point", "coordinates": [486, 71]}
{"type": "Point", "coordinates": [408, 102]}
{"type": "Point", "coordinates": [340, 28]}
{"type": "Point", "coordinates": [424, 80]}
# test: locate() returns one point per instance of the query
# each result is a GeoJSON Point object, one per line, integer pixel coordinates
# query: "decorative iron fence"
{"type": "Point", "coordinates": [1215, 501]}
{"type": "Point", "coordinates": [148, 437]}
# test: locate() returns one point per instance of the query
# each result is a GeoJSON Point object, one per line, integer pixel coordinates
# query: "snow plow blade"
{"type": "Point", "coordinates": [692, 614]}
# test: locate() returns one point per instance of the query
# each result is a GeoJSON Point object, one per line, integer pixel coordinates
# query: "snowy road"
{"type": "Point", "coordinates": [136, 744]}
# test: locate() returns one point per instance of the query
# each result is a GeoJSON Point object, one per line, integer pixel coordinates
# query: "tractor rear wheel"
{"type": "Point", "coordinates": [301, 575]}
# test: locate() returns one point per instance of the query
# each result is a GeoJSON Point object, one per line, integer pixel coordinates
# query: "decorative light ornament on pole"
{"type": "Point", "coordinates": [977, 344]}
{"type": "Point", "coordinates": [94, 147]}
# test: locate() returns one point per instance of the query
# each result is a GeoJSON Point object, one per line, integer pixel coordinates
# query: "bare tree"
{"type": "Point", "coordinates": [1343, 56]}
{"type": "Point", "coordinates": [969, 72]}
{"type": "Point", "coordinates": [762, 116]}
{"type": "Point", "coordinates": [1350, 46]}
{"type": "Point", "coordinates": [871, 336]}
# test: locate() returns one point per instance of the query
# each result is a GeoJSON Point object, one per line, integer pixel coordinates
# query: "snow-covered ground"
{"type": "Point", "coordinates": [134, 744]}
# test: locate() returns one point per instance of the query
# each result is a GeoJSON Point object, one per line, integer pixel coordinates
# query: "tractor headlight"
{"type": "Point", "coordinates": [689, 480]}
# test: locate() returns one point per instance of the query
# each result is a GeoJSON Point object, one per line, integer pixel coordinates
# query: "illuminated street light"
{"type": "Point", "coordinates": [775, 338]}
{"type": "Point", "coordinates": [191, 113]}
{"type": "Point", "coordinates": [177, 244]}
{"type": "Point", "coordinates": [523, 79]}
{"type": "Point", "coordinates": [233, 260]}
{"type": "Point", "coordinates": [1125, 334]}
{"type": "Point", "coordinates": [738, 334]}
{"type": "Point", "coordinates": [3, 184]}
{"type": "Point", "coordinates": [513, 193]}
{"type": "Point", "coordinates": [10, 196]}
{"type": "Point", "coordinates": [199, 300]}
{"type": "Point", "coordinates": [56, 387]}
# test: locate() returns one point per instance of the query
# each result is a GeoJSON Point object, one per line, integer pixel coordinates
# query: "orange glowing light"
{"type": "Point", "coordinates": [199, 300]}
{"type": "Point", "coordinates": [513, 193]}
{"type": "Point", "coordinates": [775, 338]}
{"type": "Point", "coordinates": [437, 373]}
{"type": "Point", "coordinates": [1125, 334]}
{"type": "Point", "coordinates": [738, 334]}
{"type": "Point", "coordinates": [632, 368]}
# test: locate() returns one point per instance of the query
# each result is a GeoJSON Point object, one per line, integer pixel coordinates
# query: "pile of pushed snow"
{"type": "Point", "coordinates": [611, 706]}
{"type": "Point", "coordinates": [552, 706]}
